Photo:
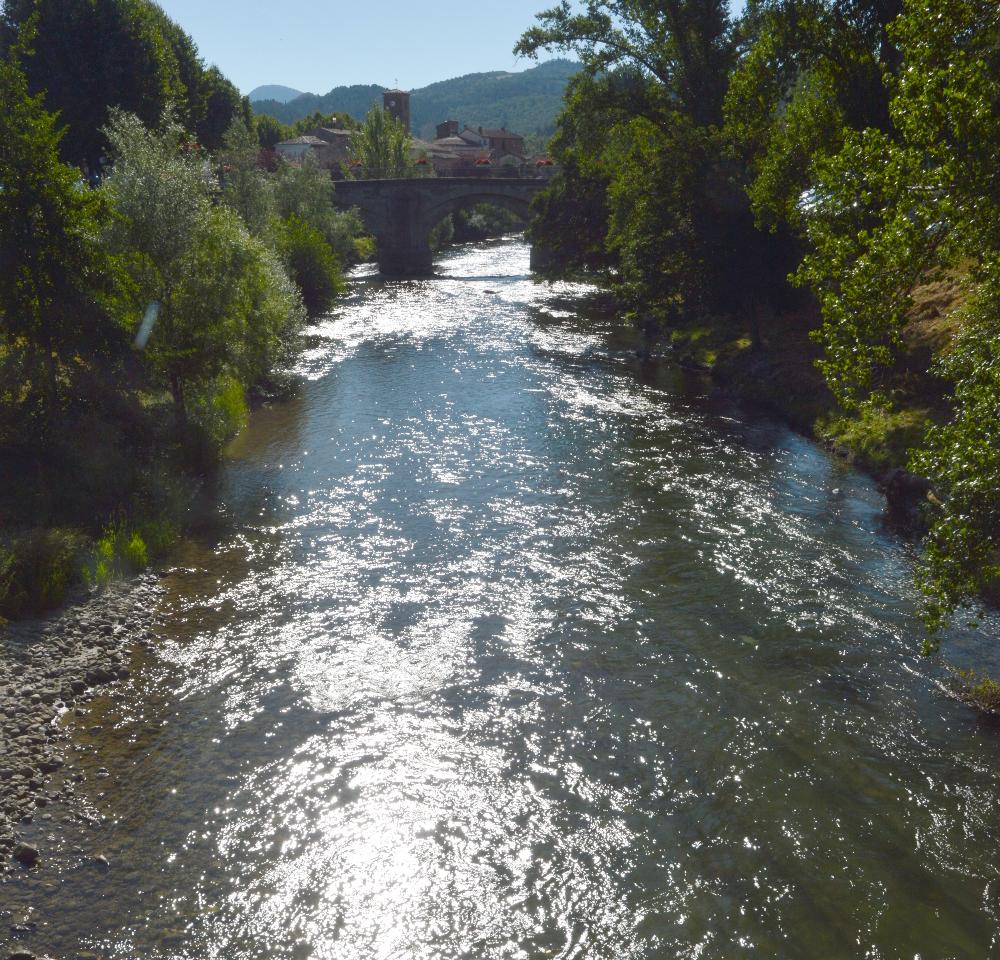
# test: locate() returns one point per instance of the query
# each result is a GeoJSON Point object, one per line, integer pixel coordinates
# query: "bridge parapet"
{"type": "Point", "coordinates": [402, 213]}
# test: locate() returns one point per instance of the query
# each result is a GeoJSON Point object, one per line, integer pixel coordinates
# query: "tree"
{"type": "Point", "coordinates": [311, 263]}
{"type": "Point", "coordinates": [223, 104]}
{"type": "Point", "coordinates": [808, 72]}
{"type": "Point", "coordinates": [55, 279]}
{"type": "Point", "coordinates": [683, 47]}
{"type": "Point", "coordinates": [270, 132]}
{"type": "Point", "coordinates": [648, 195]}
{"type": "Point", "coordinates": [319, 119]}
{"type": "Point", "coordinates": [304, 190]}
{"type": "Point", "coordinates": [95, 55]}
{"type": "Point", "coordinates": [961, 559]}
{"type": "Point", "coordinates": [889, 212]}
{"type": "Point", "coordinates": [247, 191]}
{"type": "Point", "coordinates": [221, 299]}
{"type": "Point", "coordinates": [382, 146]}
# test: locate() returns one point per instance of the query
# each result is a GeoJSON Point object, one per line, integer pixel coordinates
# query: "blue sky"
{"type": "Point", "coordinates": [315, 45]}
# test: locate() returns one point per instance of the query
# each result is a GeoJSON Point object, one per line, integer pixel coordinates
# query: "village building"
{"type": "Point", "coordinates": [511, 165]}
{"type": "Point", "coordinates": [447, 130]}
{"type": "Point", "coordinates": [397, 102]}
{"type": "Point", "coordinates": [336, 148]}
{"type": "Point", "coordinates": [502, 141]}
{"type": "Point", "coordinates": [298, 147]}
{"type": "Point", "coordinates": [445, 156]}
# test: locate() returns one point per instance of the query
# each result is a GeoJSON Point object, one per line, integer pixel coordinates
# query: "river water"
{"type": "Point", "coordinates": [502, 645]}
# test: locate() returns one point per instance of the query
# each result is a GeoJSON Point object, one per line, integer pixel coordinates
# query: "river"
{"type": "Point", "coordinates": [501, 644]}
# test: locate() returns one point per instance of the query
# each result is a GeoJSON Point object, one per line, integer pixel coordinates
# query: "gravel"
{"type": "Point", "coordinates": [48, 669]}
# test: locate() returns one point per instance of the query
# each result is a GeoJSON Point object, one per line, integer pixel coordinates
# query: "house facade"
{"type": "Point", "coordinates": [501, 141]}
{"type": "Point", "coordinates": [298, 147]}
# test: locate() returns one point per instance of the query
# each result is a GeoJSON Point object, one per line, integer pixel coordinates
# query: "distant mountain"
{"type": "Point", "coordinates": [276, 92]}
{"type": "Point", "coordinates": [526, 102]}
{"type": "Point", "coordinates": [356, 101]}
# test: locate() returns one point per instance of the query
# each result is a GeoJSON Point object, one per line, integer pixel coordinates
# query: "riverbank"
{"type": "Point", "coordinates": [768, 362]}
{"type": "Point", "coordinates": [50, 671]}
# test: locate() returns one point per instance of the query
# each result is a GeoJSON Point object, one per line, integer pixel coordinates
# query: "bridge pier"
{"type": "Point", "coordinates": [405, 261]}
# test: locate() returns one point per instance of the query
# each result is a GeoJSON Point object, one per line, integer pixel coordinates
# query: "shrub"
{"type": "Point", "coordinates": [365, 248]}
{"type": "Point", "coordinates": [219, 415]}
{"type": "Point", "coordinates": [311, 263]}
{"type": "Point", "coordinates": [442, 234]}
{"type": "Point", "coordinates": [306, 191]}
{"type": "Point", "coordinates": [37, 569]}
{"type": "Point", "coordinates": [983, 696]}
{"type": "Point", "coordinates": [127, 547]}
{"type": "Point", "coordinates": [483, 221]}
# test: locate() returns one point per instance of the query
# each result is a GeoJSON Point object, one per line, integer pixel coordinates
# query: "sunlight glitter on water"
{"type": "Point", "coordinates": [501, 648]}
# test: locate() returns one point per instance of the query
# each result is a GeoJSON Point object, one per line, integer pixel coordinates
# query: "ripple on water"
{"type": "Point", "coordinates": [500, 651]}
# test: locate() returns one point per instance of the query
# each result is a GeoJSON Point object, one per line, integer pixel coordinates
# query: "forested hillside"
{"type": "Point", "coordinates": [527, 102]}
{"type": "Point", "coordinates": [355, 100]}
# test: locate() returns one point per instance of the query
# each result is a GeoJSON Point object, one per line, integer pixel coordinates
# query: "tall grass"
{"type": "Point", "coordinates": [39, 567]}
{"type": "Point", "coordinates": [127, 547]}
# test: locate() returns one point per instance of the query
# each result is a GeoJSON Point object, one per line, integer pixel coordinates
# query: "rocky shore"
{"type": "Point", "coordinates": [50, 670]}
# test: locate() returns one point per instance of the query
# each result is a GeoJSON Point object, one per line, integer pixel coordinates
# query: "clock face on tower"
{"type": "Point", "coordinates": [392, 103]}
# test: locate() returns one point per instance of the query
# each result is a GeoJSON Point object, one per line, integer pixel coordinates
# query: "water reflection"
{"type": "Point", "coordinates": [498, 651]}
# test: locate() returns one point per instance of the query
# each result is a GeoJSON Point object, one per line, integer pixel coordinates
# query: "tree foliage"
{"type": "Point", "coordinates": [304, 190]}
{"type": "Point", "coordinates": [311, 263]}
{"type": "Point", "coordinates": [56, 279]}
{"type": "Point", "coordinates": [892, 211]}
{"type": "Point", "coordinates": [648, 197]}
{"type": "Point", "coordinates": [95, 55]}
{"type": "Point", "coordinates": [962, 556]}
{"type": "Point", "coordinates": [247, 190]}
{"type": "Point", "coordinates": [808, 72]}
{"type": "Point", "coordinates": [225, 303]}
{"type": "Point", "coordinates": [382, 147]}
{"type": "Point", "coordinates": [270, 132]}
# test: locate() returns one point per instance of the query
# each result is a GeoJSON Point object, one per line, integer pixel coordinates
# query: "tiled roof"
{"type": "Point", "coordinates": [453, 143]}
{"type": "Point", "coordinates": [501, 134]}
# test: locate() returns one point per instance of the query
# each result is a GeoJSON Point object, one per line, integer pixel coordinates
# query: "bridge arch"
{"type": "Point", "coordinates": [402, 213]}
{"type": "Point", "coordinates": [516, 205]}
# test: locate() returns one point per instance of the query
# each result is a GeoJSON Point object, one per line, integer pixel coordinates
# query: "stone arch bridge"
{"type": "Point", "coordinates": [402, 213]}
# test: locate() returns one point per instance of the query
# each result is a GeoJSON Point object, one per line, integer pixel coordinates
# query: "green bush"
{"type": "Point", "coordinates": [442, 234]}
{"type": "Point", "coordinates": [218, 416]}
{"type": "Point", "coordinates": [37, 569]}
{"type": "Point", "coordinates": [983, 696]}
{"type": "Point", "coordinates": [311, 263]}
{"type": "Point", "coordinates": [127, 547]}
{"type": "Point", "coordinates": [483, 221]}
{"type": "Point", "coordinates": [6, 576]}
{"type": "Point", "coordinates": [365, 248]}
{"type": "Point", "coordinates": [306, 191]}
